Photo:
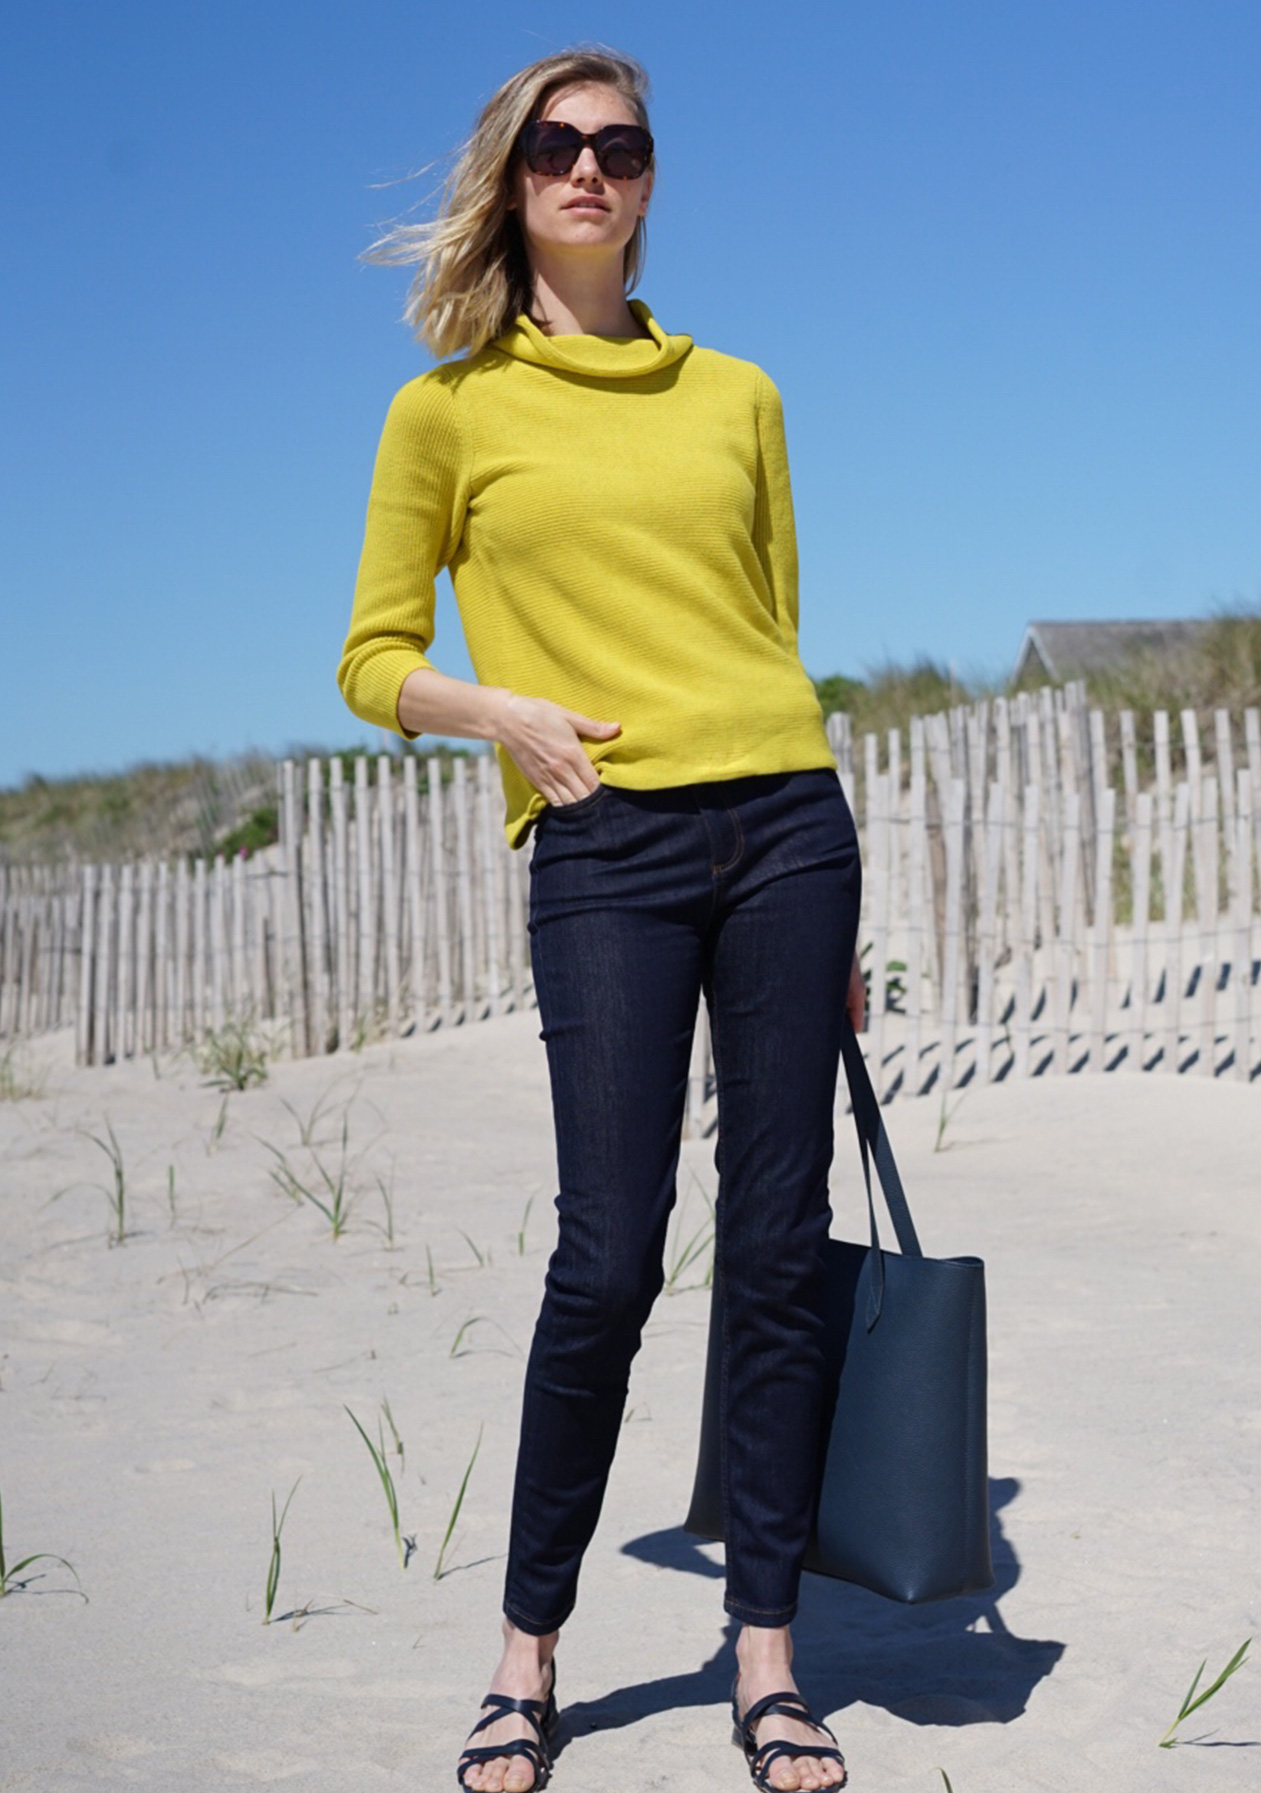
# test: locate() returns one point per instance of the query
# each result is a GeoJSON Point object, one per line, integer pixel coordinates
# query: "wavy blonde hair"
{"type": "Point", "coordinates": [472, 274]}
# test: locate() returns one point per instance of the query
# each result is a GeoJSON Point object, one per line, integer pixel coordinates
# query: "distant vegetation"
{"type": "Point", "coordinates": [190, 806]}
{"type": "Point", "coordinates": [207, 807]}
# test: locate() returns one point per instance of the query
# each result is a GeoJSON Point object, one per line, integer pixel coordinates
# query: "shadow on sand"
{"type": "Point", "coordinates": [950, 1663]}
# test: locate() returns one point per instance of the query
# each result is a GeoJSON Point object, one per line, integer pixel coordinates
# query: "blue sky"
{"type": "Point", "coordinates": [1002, 261]}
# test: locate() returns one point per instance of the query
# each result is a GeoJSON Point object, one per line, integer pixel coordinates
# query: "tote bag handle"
{"type": "Point", "coordinates": [873, 1143]}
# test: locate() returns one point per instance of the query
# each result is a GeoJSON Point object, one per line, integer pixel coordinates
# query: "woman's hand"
{"type": "Point", "coordinates": [544, 739]}
{"type": "Point", "coordinates": [856, 998]}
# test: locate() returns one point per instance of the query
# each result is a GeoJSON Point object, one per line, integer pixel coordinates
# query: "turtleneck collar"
{"type": "Point", "coordinates": [603, 357]}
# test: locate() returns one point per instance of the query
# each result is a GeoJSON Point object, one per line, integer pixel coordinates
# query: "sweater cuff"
{"type": "Point", "coordinates": [371, 687]}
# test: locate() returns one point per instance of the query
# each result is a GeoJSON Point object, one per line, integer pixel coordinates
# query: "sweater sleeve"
{"type": "Point", "coordinates": [774, 532]}
{"type": "Point", "coordinates": [415, 518]}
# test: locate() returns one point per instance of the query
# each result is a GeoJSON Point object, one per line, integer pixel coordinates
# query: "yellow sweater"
{"type": "Point", "coordinates": [617, 520]}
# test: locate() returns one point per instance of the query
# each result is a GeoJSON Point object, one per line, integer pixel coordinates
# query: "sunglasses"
{"type": "Point", "coordinates": [622, 152]}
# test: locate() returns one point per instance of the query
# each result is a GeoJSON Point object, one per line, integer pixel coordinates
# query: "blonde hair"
{"type": "Point", "coordinates": [472, 274]}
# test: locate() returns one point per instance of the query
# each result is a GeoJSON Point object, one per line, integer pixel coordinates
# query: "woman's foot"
{"type": "Point", "coordinates": [526, 1672]}
{"type": "Point", "coordinates": [764, 1655]}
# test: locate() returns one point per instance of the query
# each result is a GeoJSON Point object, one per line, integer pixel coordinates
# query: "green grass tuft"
{"type": "Point", "coordinates": [116, 1191]}
{"type": "Point", "coordinates": [439, 1569]}
{"type": "Point", "coordinates": [273, 1568]}
{"type": "Point", "coordinates": [233, 1057]}
{"type": "Point", "coordinates": [1191, 1704]}
{"type": "Point", "coordinates": [381, 1463]}
{"type": "Point", "coordinates": [9, 1572]}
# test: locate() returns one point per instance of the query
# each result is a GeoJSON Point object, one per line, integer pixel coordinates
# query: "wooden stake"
{"type": "Point", "coordinates": [1173, 871]}
{"type": "Point", "coordinates": [992, 856]}
{"type": "Point", "coordinates": [341, 1001]}
{"type": "Point", "coordinates": [413, 877]}
{"type": "Point", "coordinates": [464, 890]}
{"type": "Point", "coordinates": [1141, 885]}
{"type": "Point", "coordinates": [916, 871]}
{"type": "Point", "coordinates": [366, 981]}
{"type": "Point", "coordinates": [390, 891]}
{"type": "Point", "coordinates": [1025, 960]}
{"type": "Point", "coordinates": [1065, 953]}
{"type": "Point", "coordinates": [1102, 929]}
{"type": "Point", "coordinates": [440, 861]}
{"type": "Point", "coordinates": [953, 955]}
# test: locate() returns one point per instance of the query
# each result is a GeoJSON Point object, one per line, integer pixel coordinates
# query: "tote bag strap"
{"type": "Point", "coordinates": [873, 1143]}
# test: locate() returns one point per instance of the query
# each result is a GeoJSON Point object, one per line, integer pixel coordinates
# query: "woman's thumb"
{"type": "Point", "coordinates": [590, 728]}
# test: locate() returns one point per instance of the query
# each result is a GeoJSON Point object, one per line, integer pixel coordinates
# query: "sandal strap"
{"type": "Point", "coordinates": [770, 1752]}
{"type": "Point", "coordinates": [501, 1704]}
{"type": "Point", "coordinates": [486, 1752]}
{"type": "Point", "coordinates": [786, 1705]}
{"type": "Point", "coordinates": [759, 1774]}
{"type": "Point", "coordinates": [537, 1757]}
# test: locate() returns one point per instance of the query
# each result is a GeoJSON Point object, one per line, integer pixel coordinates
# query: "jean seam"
{"type": "Point", "coordinates": [720, 871]}
{"type": "Point", "coordinates": [725, 1353]}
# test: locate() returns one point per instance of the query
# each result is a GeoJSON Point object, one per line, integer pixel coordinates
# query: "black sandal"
{"type": "Point", "coordinates": [542, 1714]}
{"type": "Point", "coordinates": [760, 1758]}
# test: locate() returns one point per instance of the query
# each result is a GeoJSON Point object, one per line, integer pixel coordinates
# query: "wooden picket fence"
{"type": "Point", "coordinates": [1045, 890]}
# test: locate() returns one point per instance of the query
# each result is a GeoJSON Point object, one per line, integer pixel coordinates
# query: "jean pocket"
{"type": "Point", "coordinates": [580, 807]}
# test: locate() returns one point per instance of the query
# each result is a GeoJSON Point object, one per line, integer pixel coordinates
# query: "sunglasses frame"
{"type": "Point", "coordinates": [582, 140]}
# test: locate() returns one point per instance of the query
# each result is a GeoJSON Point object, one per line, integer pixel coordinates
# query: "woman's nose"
{"type": "Point", "coordinates": [586, 168]}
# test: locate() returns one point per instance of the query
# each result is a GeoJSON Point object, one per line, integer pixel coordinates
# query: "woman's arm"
{"type": "Point", "coordinates": [774, 528]}
{"type": "Point", "coordinates": [544, 738]}
{"type": "Point", "coordinates": [415, 518]}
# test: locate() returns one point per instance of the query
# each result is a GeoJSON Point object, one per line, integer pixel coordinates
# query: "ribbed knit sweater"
{"type": "Point", "coordinates": [617, 520]}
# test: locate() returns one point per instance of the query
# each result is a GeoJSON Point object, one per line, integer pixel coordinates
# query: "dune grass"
{"type": "Point", "coordinates": [116, 1190]}
{"type": "Point", "coordinates": [273, 1568]}
{"type": "Point", "coordinates": [328, 1190]}
{"type": "Point", "coordinates": [381, 1463]}
{"type": "Point", "coordinates": [19, 1080]}
{"type": "Point", "coordinates": [233, 1057]}
{"type": "Point", "coordinates": [439, 1567]}
{"type": "Point", "coordinates": [9, 1572]}
{"type": "Point", "coordinates": [1191, 1704]}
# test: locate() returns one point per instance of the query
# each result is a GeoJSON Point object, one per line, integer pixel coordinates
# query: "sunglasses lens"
{"type": "Point", "coordinates": [623, 151]}
{"type": "Point", "coordinates": [551, 148]}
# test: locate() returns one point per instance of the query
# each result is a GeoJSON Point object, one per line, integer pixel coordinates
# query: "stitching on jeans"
{"type": "Point", "coordinates": [530, 1618]}
{"type": "Point", "coordinates": [726, 866]}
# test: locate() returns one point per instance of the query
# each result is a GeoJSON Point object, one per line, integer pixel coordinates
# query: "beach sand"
{"type": "Point", "coordinates": [154, 1394]}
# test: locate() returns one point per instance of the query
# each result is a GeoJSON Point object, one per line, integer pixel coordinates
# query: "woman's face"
{"type": "Point", "coordinates": [583, 212]}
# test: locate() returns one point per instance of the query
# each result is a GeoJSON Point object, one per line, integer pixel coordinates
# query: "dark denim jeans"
{"type": "Point", "coordinates": [747, 890]}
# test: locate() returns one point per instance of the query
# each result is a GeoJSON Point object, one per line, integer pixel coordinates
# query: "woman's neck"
{"type": "Point", "coordinates": [575, 301]}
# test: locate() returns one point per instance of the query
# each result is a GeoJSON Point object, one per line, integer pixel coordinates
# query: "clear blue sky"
{"type": "Point", "coordinates": [1003, 262]}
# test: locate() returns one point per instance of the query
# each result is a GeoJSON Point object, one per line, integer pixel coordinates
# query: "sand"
{"type": "Point", "coordinates": [154, 1394]}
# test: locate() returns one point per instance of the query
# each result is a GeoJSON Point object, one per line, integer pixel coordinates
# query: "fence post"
{"type": "Point", "coordinates": [1207, 903]}
{"type": "Point", "coordinates": [390, 894]}
{"type": "Point", "coordinates": [438, 859]}
{"type": "Point", "coordinates": [916, 867]}
{"type": "Point", "coordinates": [415, 893]}
{"type": "Point", "coordinates": [1065, 953]}
{"type": "Point", "coordinates": [1141, 886]}
{"type": "Point", "coordinates": [952, 957]}
{"type": "Point", "coordinates": [1102, 937]}
{"type": "Point", "coordinates": [1173, 871]}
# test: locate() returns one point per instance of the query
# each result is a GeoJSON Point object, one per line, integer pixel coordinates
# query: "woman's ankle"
{"type": "Point", "coordinates": [525, 1650]}
{"type": "Point", "coordinates": [760, 1646]}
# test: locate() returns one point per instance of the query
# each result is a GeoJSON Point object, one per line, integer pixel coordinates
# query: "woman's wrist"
{"type": "Point", "coordinates": [432, 703]}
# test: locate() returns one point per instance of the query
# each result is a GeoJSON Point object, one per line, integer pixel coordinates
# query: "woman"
{"type": "Point", "coordinates": [614, 506]}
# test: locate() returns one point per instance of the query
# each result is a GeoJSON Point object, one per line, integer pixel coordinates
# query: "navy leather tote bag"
{"type": "Point", "coordinates": [903, 1504]}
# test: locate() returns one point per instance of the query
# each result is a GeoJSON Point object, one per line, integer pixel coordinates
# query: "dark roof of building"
{"type": "Point", "coordinates": [1072, 650]}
